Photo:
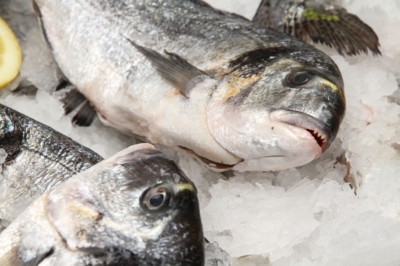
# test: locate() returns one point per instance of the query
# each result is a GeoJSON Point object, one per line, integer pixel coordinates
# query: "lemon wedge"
{"type": "Point", "coordinates": [10, 55]}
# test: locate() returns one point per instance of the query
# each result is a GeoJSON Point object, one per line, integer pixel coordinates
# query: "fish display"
{"type": "Point", "coordinates": [207, 83]}
{"type": "Point", "coordinates": [33, 159]}
{"type": "Point", "coordinates": [135, 208]}
{"type": "Point", "coordinates": [319, 21]}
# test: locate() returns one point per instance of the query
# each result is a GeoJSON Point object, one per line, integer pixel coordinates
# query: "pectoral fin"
{"type": "Point", "coordinates": [176, 70]}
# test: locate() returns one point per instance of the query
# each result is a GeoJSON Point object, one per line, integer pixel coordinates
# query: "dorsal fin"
{"type": "Point", "coordinates": [322, 23]}
{"type": "Point", "coordinates": [176, 70]}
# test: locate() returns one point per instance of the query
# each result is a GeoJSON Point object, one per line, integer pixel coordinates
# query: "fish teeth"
{"type": "Point", "coordinates": [318, 135]}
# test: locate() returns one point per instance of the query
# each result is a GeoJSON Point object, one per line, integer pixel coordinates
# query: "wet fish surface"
{"type": "Point", "coordinates": [207, 83]}
{"type": "Point", "coordinates": [319, 21]}
{"type": "Point", "coordinates": [135, 208]}
{"type": "Point", "coordinates": [33, 159]}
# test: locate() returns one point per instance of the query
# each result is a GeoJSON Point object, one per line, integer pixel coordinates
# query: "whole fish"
{"type": "Point", "coordinates": [135, 208]}
{"type": "Point", "coordinates": [207, 83]}
{"type": "Point", "coordinates": [319, 21]}
{"type": "Point", "coordinates": [33, 159]}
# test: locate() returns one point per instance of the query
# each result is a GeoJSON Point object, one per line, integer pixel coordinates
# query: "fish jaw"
{"type": "Point", "coordinates": [321, 132]}
{"type": "Point", "coordinates": [263, 142]}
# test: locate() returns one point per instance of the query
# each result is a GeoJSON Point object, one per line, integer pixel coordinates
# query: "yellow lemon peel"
{"type": "Point", "coordinates": [10, 55]}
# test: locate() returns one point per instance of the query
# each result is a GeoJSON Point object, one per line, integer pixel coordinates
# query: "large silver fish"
{"type": "Point", "coordinates": [207, 83]}
{"type": "Point", "coordinates": [319, 21]}
{"type": "Point", "coordinates": [135, 208]}
{"type": "Point", "coordinates": [34, 159]}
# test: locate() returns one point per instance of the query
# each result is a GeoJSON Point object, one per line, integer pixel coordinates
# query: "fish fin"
{"type": "Point", "coordinates": [262, 14]}
{"type": "Point", "coordinates": [72, 100]}
{"type": "Point", "coordinates": [85, 116]}
{"type": "Point", "coordinates": [25, 87]}
{"type": "Point", "coordinates": [326, 24]}
{"type": "Point", "coordinates": [335, 27]}
{"type": "Point", "coordinates": [64, 83]}
{"type": "Point", "coordinates": [176, 70]}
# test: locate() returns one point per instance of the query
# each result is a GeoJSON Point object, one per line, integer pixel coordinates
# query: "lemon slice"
{"type": "Point", "coordinates": [10, 55]}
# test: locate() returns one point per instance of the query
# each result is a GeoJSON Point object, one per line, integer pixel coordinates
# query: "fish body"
{"type": "Point", "coordinates": [319, 21]}
{"type": "Point", "coordinates": [35, 159]}
{"type": "Point", "coordinates": [204, 82]}
{"type": "Point", "coordinates": [135, 208]}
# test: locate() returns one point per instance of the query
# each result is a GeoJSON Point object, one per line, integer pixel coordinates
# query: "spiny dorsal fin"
{"type": "Point", "coordinates": [176, 70]}
{"type": "Point", "coordinates": [334, 26]}
{"type": "Point", "coordinates": [321, 23]}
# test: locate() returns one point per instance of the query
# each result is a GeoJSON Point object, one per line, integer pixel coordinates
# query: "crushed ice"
{"type": "Point", "coordinates": [303, 216]}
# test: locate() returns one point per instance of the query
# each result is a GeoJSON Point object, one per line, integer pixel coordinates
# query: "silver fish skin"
{"type": "Point", "coordinates": [204, 82]}
{"type": "Point", "coordinates": [37, 159]}
{"type": "Point", "coordinates": [135, 208]}
{"type": "Point", "coordinates": [319, 21]}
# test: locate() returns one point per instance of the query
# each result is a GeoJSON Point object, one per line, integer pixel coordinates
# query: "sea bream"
{"type": "Point", "coordinates": [135, 208]}
{"type": "Point", "coordinates": [210, 84]}
{"type": "Point", "coordinates": [33, 159]}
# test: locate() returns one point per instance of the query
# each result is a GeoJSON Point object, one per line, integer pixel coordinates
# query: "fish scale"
{"type": "Point", "coordinates": [38, 158]}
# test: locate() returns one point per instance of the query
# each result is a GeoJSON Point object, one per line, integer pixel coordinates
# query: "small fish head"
{"type": "Point", "coordinates": [169, 200]}
{"type": "Point", "coordinates": [277, 108]}
{"type": "Point", "coordinates": [140, 209]}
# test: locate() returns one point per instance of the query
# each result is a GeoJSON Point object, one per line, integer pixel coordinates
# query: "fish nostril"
{"type": "Point", "coordinates": [318, 137]}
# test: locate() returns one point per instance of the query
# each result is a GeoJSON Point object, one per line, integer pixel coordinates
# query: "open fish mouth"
{"type": "Point", "coordinates": [316, 128]}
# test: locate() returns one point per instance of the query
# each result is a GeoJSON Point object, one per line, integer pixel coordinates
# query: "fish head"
{"type": "Point", "coordinates": [277, 108]}
{"type": "Point", "coordinates": [136, 208]}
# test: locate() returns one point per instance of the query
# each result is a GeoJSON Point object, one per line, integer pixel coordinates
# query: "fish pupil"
{"type": "Point", "coordinates": [301, 78]}
{"type": "Point", "coordinates": [156, 200]}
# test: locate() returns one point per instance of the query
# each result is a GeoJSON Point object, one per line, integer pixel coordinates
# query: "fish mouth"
{"type": "Point", "coordinates": [211, 164]}
{"type": "Point", "coordinates": [320, 131]}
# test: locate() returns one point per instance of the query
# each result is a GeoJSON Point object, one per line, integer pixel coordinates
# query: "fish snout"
{"type": "Point", "coordinates": [322, 130]}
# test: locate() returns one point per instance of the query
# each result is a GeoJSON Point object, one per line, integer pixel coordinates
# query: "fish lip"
{"type": "Point", "coordinates": [320, 131]}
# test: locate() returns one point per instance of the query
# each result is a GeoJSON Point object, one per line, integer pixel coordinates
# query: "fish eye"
{"type": "Point", "coordinates": [155, 198]}
{"type": "Point", "coordinates": [300, 78]}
